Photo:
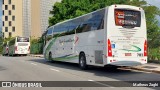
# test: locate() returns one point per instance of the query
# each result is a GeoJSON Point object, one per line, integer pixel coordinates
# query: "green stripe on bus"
{"type": "Point", "coordinates": [136, 47]}
{"type": "Point", "coordinates": [65, 58]}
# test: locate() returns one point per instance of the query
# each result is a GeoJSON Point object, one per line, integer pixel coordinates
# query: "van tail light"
{"type": "Point", "coordinates": [15, 48]}
{"type": "Point", "coordinates": [29, 48]}
{"type": "Point", "coordinates": [145, 48]}
{"type": "Point", "coordinates": [109, 49]}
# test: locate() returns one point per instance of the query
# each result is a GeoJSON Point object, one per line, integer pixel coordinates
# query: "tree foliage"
{"type": "Point", "coordinates": [68, 9]}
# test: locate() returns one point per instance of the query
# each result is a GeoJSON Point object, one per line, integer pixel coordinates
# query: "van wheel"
{"type": "Point", "coordinates": [82, 61]}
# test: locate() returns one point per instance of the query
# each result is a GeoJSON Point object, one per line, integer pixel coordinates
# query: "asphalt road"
{"type": "Point", "coordinates": [37, 69]}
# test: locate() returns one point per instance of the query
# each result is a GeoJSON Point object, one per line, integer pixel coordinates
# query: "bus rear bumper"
{"type": "Point", "coordinates": [22, 53]}
{"type": "Point", "coordinates": [126, 63]}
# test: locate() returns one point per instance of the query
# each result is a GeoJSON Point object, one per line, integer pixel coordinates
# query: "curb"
{"type": "Point", "coordinates": [146, 70]}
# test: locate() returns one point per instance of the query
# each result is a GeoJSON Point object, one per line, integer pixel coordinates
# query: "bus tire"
{"type": "Point", "coordinates": [50, 56]}
{"type": "Point", "coordinates": [82, 61]}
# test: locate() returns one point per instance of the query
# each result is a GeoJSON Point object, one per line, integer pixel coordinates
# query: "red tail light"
{"type": "Point", "coordinates": [15, 48]}
{"type": "Point", "coordinates": [145, 48]}
{"type": "Point", "coordinates": [7, 49]}
{"type": "Point", "coordinates": [29, 48]}
{"type": "Point", "coordinates": [109, 49]}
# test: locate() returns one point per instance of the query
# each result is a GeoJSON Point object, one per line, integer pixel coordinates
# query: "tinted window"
{"type": "Point", "coordinates": [21, 39]}
{"type": "Point", "coordinates": [94, 21]}
{"type": "Point", "coordinates": [49, 33]}
{"type": "Point", "coordinates": [127, 18]}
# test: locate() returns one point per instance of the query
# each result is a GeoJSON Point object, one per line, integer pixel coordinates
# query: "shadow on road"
{"type": "Point", "coordinates": [119, 74]}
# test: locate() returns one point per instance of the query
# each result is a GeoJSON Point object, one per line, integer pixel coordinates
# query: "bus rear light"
{"type": "Point", "coordinates": [15, 48]}
{"type": "Point", "coordinates": [29, 48]}
{"type": "Point", "coordinates": [109, 49]}
{"type": "Point", "coordinates": [7, 49]}
{"type": "Point", "coordinates": [145, 48]}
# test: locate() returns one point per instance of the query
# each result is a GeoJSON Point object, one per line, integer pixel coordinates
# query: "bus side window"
{"type": "Point", "coordinates": [101, 26]}
{"type": "Point", "coordinates": [86, 27]}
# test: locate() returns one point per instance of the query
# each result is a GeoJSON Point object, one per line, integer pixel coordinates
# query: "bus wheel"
{"type": "Point", "coordinates": [82, 61]}
{"type": "Point", "coordinates": [50, 56]}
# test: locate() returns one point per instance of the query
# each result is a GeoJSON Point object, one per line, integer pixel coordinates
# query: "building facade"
{"type": "Point", "coordinates": [12, 18]}
{"type": "Point", "coordinates": [25, 18]}
{"type": "Point", "coordinates": [40, 16]}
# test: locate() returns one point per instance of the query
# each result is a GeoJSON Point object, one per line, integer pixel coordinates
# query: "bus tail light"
{"type": "Point", "coordinates": [15, 48]}
{"type": "Point", "coordinates": [29, 48]}
{"type": "Point", "coordinates": [109, 49]}
{"type": "Point", "coordinates": [7, 49]}
{"type": "Point", "coordinates": [145, 48]}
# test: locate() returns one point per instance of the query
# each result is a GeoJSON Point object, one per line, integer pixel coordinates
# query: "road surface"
{"type": "Point", "coordinates": [37, 69]}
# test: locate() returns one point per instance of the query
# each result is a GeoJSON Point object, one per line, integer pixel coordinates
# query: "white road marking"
{"type": "Point", "coordinates": [33, 64]}
{"type": "Point", "coordinates": [101, 83]}
{"type": "Point", "coordinates": [55, 70]}
{"type": "Point", "coordinates": [90, 80]}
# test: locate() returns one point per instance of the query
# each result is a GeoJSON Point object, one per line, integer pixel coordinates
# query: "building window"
{"type": "Point", "coordinates": [6, 29]}
{"type": "Point", "coordinates": [13, 18]}
{"type": "Point", "coordinates": [10, 34]}
{"type": "Point", "coordinates": [3, 34]}
{"type": "Point", "coordinates": [9, 12]}
{"type": "Point", "coordinates": [6, 18]}
{"type": "Point", "coordinates": [3, 12]}
{"type": "Point", "coordinates": [9, 1]}
{"type": "Point", "coordinates": [3, 1]}
{"type": "Point", "coordinates": [13, 7]}
{"type": "Point", "coordinates": [6, 7]}
{"type": "Point", "coordinates": [3, 23]}
{"type": "Point", "coordinates": [10, 23]}
{"type": "Point", "coordinates": [13, 29]}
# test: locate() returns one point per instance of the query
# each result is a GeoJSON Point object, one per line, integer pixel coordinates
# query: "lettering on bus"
{"type": "Point", "coordinates": [127, 18]}
{"type": "Point", "coordinates": [66, 41]}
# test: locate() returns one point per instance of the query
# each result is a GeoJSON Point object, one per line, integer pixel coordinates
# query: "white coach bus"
{"type": "Point", "coordinates": [19, 46]}
{"type": "Point", "coordinates": [115, 35]}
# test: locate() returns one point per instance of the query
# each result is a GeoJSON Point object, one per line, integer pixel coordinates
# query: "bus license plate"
{"type": "Point", "coordinates": [128, 54]}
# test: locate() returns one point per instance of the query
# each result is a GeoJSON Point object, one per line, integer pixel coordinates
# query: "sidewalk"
{"type": "Point", "coordinates": [149, 67]}
{"type": "Point", "coordinates": [36, 55]}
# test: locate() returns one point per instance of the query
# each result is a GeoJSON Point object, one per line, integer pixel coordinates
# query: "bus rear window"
{"type": "Point", "coordinates": [127, 18]}
{"type": "Point", "coordinates": [22, 39]}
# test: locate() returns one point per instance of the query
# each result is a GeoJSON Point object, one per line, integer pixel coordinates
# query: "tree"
{"type": "Point", "coordinates": [68, 9]}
